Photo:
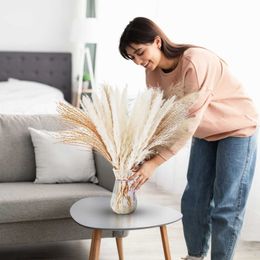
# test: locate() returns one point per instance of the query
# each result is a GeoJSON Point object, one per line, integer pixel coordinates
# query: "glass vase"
{"type": "Point", "coordinates": [123, 199]}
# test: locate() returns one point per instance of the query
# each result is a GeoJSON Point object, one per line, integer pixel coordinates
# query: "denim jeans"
{"type": "Point", "coordinates": [219, 177]}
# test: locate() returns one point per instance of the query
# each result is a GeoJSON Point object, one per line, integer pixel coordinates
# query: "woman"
{"type": "Point", "coordinates": [223, 123]}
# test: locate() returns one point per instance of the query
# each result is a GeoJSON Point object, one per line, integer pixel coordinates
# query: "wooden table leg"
{"type": "Point", "coordinates": [165, 241]}
{"type": "Point", "coordinates": [95, 244]}
{"type": "Point", "coordinates": [119, 243]}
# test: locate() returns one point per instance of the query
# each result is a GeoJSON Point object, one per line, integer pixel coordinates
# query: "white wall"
{"type": "Point", "coordinates": [36, 25]}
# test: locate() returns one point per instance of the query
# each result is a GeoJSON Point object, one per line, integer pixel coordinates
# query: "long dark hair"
{"type": "Point", "coordinates": [142, 30]}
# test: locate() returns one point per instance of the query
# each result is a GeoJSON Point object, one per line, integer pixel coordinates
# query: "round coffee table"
{"type": "Point", "coordinates": [96, 213]}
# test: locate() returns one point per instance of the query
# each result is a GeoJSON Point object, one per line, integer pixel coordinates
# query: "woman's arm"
{"type": "Point", "coordinates": [201, 75]}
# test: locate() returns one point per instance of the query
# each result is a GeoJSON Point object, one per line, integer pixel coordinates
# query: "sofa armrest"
{"type": "Point", "coordinates": [104, 172]}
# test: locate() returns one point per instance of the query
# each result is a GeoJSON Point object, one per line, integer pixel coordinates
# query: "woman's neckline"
{"type": "Point", "coordinates": [172, 70]}
{"type": "Point", "coordinates": [169, 70]}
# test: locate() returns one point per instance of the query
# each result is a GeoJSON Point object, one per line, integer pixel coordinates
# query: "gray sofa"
{"type": "Point", "coordinates": [32, 212]}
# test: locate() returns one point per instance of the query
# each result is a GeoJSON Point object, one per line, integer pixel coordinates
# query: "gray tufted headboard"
{"type": "Point", "coordinates": [53, 69]}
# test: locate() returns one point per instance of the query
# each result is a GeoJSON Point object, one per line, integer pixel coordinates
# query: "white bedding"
{"type": "Point", "coordinates": [28, 97]}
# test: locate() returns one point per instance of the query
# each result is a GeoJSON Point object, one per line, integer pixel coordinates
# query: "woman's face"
{"type": "Point", "coordinates": [146, 55]}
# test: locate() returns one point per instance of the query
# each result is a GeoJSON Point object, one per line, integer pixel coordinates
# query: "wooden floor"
{"type": "Point", "coordinates": [139, 245]}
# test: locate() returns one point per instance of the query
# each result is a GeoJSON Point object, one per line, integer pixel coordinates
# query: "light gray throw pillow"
{"type": "Point", "coordinates": [57, 162]}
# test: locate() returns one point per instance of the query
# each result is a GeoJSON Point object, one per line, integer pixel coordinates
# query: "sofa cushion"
{"type": "Point", "coordinates": [26, 201]}
{"type": "Point", "coordinates": [58, 162]}
{"type": "Point", "coordinates": [17, 160]}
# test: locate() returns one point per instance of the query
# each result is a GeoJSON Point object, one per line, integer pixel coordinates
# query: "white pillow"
{"type": "Point", "coordinates": [57, 162]}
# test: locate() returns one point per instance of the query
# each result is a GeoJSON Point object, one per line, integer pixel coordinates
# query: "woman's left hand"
{"type": "Point", "coordinates": [144, 172]}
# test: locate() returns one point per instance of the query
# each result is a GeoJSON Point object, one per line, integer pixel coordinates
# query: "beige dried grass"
{"type": "Point", "coordinates": [126, 138]}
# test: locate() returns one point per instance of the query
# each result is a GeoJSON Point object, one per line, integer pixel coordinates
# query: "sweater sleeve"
{"type": "Point", "coordinates": [201, 75]}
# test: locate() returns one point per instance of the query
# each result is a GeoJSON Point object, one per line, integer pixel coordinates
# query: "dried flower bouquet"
{"type": "Point", "coordinates": [126, 137]}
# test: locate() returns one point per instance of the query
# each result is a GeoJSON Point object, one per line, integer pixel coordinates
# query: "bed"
{"type": "Point", "coordinates": [34, 82]}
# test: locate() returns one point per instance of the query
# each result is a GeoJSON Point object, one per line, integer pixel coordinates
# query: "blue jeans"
{"type": "Point", "coordinates": [219, 177]}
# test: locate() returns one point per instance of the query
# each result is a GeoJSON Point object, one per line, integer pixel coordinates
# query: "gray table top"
{"type": "Point", "coordinates": [96, 213]}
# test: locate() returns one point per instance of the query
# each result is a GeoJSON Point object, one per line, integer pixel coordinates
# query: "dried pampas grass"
{"type": "Point", "coordinates": [126, 138]}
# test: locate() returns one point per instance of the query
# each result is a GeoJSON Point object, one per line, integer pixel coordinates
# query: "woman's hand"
{"type": "Point", "coordinates": [144, 172]}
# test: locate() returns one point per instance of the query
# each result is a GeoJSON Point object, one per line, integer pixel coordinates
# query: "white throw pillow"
{"type": "Point", "coordinates": [57, 162]}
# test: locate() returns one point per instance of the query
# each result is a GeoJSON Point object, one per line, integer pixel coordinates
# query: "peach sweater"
{"type": "Point", "coordinates": [222, 109]}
